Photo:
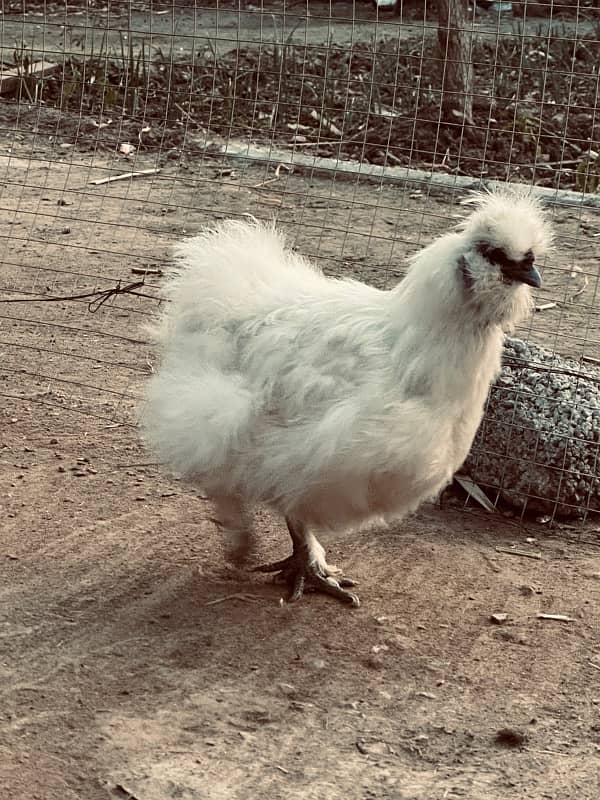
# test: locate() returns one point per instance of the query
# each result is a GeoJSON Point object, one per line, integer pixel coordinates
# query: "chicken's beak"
{"type": "Point", "coordinates": [524, 273]}
{"type": "Point", "coordinates": [530, 276]}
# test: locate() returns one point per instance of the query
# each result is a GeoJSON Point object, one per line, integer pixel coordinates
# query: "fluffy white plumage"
{"type": "Point", "coordinates": [332, 401]}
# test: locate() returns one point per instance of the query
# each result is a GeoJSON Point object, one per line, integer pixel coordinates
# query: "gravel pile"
{"type": "Point", "coordinates": [539, 443]}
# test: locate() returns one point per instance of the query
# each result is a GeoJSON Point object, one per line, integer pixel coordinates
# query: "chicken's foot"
{"type": "Point", "coordinates": [306, 570]}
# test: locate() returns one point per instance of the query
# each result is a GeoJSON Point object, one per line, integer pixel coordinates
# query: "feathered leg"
{"type": "Point", "coordinates": [307, 570]}
{"type": "Point", "coordinates": [233, 519]}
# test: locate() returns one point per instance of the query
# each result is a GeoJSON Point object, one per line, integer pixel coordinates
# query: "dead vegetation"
{"type": "Point", "coordinates": [377, 102]}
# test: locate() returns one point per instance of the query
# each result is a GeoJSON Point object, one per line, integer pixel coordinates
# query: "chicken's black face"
{"type": "Point", "coordinates": [521, 270]}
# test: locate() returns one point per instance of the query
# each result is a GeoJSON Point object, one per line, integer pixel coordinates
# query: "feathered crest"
{"type": "Point", "coordinates": [509, 212]}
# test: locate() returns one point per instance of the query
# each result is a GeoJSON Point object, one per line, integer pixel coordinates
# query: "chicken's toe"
{"type": "Point", "coordinates": [303, 574]}
{"type": "Point", "coordinates": [314, 582]}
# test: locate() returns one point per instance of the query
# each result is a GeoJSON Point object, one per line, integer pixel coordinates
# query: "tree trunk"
{"type": "Point", "coordinates": [455, 39]}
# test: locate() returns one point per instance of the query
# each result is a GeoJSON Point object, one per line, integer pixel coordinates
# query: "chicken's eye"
{"type": "Point", "coordinates": [528, 259]}
{"type": "Point", "coordinates": [498, 256]}
{"type": "Point", "coordinates": [495, 255]}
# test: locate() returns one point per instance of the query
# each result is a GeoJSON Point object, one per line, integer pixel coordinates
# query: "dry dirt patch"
{"type": "Point", "coordinates": [135, 663]}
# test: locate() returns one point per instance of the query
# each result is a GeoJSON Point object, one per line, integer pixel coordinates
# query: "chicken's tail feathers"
{"type": "Point", "coordinates": [232, 269]}
{"type": "Point", "coordinates": [226, 239]}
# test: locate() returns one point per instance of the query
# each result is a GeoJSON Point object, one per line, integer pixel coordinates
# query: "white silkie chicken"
{"type": "Point", "coordinates": [333, 402]}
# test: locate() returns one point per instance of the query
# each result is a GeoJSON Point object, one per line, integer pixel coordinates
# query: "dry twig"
{"type": "Point", "coordinates": [523, 553]}
{"type": "Point", "coordinates": [125, 176]}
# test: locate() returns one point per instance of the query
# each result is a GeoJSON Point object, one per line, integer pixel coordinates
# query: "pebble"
{"type": "Point", "coordinates": [379, 648]}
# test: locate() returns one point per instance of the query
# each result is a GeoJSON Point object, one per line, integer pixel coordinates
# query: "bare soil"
{"type": "Point", "coordinates": [135, 663]}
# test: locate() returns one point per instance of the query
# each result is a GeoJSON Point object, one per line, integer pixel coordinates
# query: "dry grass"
{"type": "Point", "coordinates": [535, 100]}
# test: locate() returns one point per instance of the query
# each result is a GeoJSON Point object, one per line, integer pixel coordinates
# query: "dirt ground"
{"type": "Point", "coordinates": [134, 663]}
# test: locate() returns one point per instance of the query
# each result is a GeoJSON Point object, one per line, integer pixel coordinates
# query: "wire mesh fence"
{"type": "Point", "coordinates": [357, 126]}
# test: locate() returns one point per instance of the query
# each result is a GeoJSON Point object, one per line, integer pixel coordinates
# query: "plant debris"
{"type": "Point", "coordinates": [376, 102]}
{"type": "Point", "coordinates": [556, 617]}
{"type": "Point", "coordinates": [125, 176]}
{"type": "Point", "coordinates": [474, 491]}
{"type": "Point", "coordinates": [511, 551]}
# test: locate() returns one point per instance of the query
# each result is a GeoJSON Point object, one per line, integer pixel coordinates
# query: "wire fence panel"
{"type": "Point", "coordinates": [357, 126]}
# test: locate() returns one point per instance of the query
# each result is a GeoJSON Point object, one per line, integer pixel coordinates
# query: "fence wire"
{"type": "Point", "coordinates": [126, 126]}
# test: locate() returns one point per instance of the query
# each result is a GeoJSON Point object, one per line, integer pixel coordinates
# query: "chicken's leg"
{"type": "Point", "coordinates": [307, 570]}
{"type": "Point", "coordinates": [234, 521]}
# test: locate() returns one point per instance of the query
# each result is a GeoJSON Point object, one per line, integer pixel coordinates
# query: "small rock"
{"type": "Point", "coordinates": [361, 747]}
{"type": "Point", "coordinates": [295, 705]}
{"type": "Point", "coordinates": [513, 636]}
{"type": "Point", "coordinates": [79, 473]}
{"type": "Point", "coordinates": [258, 716]}
{"type": "Point", "coordinates": [379, 648]}
{"type": "Point", "coordinates": [61, 468]}
{"type": "Point", "coordinates": [287, 689]}
{"type": "Point", "coordinates": [427, 695]}
{"type": "Point", "coordinates": [498, 619]}
{"type": "Point", "coordinates": [399, 642]}
{"type": "Point", "coordinates": [526, 591]}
